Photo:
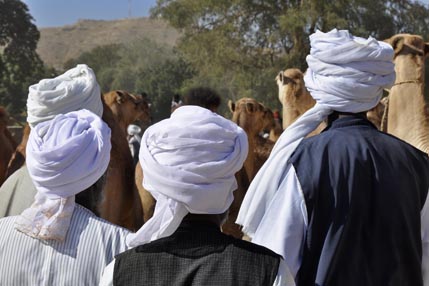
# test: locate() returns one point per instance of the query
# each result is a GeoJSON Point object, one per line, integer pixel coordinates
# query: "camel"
{"type": "Point", "coordinates": [408, 114]}
{"type": "Point", "coordinates": [18, 157]}
{"type": "Point", "coordinates": [7, 144]}
{"type": "Point", "coordinates": [253, 117]}
{"type": "Point", "coordinates": [295, 97]}
{"type": "Point", "coordinates": [127, 107]}
{"type": "Point", "coordinates": [124, 209]}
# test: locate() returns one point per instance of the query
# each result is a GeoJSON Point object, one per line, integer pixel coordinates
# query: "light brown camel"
{"type": "Point", "coordinates": [293, 95]}
{"type": "Point", "coordinates": [7, 144]}
{"type": "Point", "coordinates": [253, 117]}
{"type": "Point", "coordinates": [408, 109]}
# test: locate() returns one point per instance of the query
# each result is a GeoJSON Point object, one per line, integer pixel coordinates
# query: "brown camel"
{"type": "Point", "coordinates": [7, 144]}
{"type": "Point", "coordinates": [122, 208]}
{"type": "Point", "coordinates": [408, 110]}
{"type": "Point", "coordinates": [253, 117]}
{"type": "Point", "coordinates": [18, 157]}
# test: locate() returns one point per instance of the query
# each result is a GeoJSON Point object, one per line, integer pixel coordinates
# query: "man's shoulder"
{"type": "Point", "coordinates": [83, 214]}
{"type": "Point", "coordinates": [254, 248]}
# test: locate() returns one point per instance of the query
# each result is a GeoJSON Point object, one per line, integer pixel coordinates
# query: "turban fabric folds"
{"type": "Point", "coordinates": [65, 156]}
{"type": "Point", "coordinates": [74, 90]}
{"type": "Point", "coordinates": [346, 74]}
{"type": "Point", "coordinates": [189, 162]}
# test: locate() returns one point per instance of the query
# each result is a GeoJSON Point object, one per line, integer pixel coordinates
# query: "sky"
{"type": "Point", "coordinates": [55, 13]}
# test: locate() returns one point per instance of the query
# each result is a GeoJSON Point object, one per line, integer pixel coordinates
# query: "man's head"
{"type": "Point", "coordinates": [347, 73]}
{"type": "Point", "coordinates": [65, 156]}
{"type": "Point", "coordinates": [76, 89]}
{"type": "Point", "coordinates": [189, 162]}
{"type": "Point", "coordinates": [204, 97]}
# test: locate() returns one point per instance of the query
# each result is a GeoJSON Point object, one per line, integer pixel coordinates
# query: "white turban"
{"type": "Point", "coordinates": [346, 74]}
{"type": "Point", "coordinates": [133, 130]}
{"type": "Point", "coordinates": [65, 156]}
{"type": "Point", "coordinates": [189, 162]}
{"type": "Point", "coordinates": [74, 90]}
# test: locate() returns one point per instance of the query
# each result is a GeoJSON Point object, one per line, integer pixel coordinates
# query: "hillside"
{"type": "Point", "coordinates": [57, 45]}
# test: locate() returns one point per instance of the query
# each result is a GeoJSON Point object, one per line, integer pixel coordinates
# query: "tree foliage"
{"type": "Point", "coordinates": [139, 66]}
{"type": "Point", "coordinates": [20, 66]}
{"type": "Point", "coordinates": [240, 45]}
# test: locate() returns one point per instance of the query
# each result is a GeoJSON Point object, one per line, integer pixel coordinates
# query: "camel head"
{"type": "Point", "coordinates": [251, 115]}
{"type": "Point", "coordinates": [293, 95]}
{"type": "Point", "coordinates": [410, 52]}
{"type": "Point", "coordinates": [407, 44]}
{"type": "Point", "coordinates": [127, 107]}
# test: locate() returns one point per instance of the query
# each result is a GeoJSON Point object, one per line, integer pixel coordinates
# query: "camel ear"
{"type": "Point", "coordinates": [120, 96]}
{"type": "Point", "coordinates": [250, 107]}
{"type": "Point", "coordinates": [231, 105]}
{"type": "Point", "coordinates": [397, 42]}
{"type": "Point", "coordinates": [426, 48]}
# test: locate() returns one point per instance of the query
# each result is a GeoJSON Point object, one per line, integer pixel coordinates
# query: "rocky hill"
{"type": "Point", "coordinates": [57, 45]}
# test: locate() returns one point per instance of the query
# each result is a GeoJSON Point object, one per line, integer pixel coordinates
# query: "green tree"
{"type": "Point", "coordinates": [241, 45]}
{"type": "Point", "coordinates": [20, 66]}
{"type": "Point", "coordinates": [139, 66]}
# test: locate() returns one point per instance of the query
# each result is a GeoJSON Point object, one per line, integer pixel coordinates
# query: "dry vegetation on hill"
{"type": "Point", "coordinates": [57, 45]}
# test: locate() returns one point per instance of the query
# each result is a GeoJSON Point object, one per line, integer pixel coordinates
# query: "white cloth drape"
{"type": "Point", "coordinates": [65, 156]}
{"type": "Point", "coordinates": [74, 90]}
{"type": "Point", "coordinates": [189, 162]}
{"type": "Point", "coordinates": [346, 74]}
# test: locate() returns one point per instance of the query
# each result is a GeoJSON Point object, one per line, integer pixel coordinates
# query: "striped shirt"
{"type": "Point", "coordinates": [90, 245]}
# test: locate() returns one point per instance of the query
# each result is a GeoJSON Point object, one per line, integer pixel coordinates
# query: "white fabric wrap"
{"type": "Point", "coordinates": [74, 90]}
{"type": "Point", "coordinates": [189, 163]}
{"type": "Point", "coordinates": [65, 156]}
{"type": "Point", "coordinates": [346, 74]}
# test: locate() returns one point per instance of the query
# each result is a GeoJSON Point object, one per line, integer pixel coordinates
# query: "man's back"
{"type": "Point", "coordinates": [17, 193]}
{"type": "Point", "coordinates": [91, 243]}
{"type": "Point", "coordinates": [364, 191]}
{"type": "Point", "coordinates": [197, 254]}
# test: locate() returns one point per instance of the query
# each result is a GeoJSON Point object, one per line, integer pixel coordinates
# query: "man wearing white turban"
{"type": "Point", "coordinates": [57, 241]}
{"type": "Point", "coordinates": [189, 162]}
{"type": "Point", "coordinates": [348, 206]}
{"type": "Point", "coordinates": [76, 89]}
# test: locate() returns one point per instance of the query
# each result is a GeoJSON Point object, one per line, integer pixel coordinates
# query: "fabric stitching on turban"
{"type": "Point", "coordinates": [189, 163]}
{"type": "Point", "coordinates": [65, 156]}
{"type": "Point", "coordinates": [345, 74]}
